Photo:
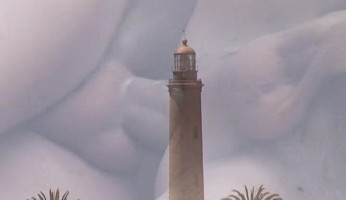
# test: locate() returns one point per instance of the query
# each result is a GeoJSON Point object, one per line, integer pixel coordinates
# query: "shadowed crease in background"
{"type": "Point", "coordinates": [84, 106]}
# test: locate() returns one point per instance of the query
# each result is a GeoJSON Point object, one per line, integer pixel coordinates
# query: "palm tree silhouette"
{"type": "Point", "coordinates": [254, 195]}
{"type": "Point", "coordinates": [52, 196]}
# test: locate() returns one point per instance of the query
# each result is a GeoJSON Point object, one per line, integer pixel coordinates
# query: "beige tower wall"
{"type": "Point", "coordinates": [186, 156]}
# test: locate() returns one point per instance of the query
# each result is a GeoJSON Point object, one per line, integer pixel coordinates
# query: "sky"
{"type": "Point", "coordinates": [84, 103]}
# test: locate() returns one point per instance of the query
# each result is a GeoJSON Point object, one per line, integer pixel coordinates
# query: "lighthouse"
{"type": "Point", "coordinates": [185, 128]}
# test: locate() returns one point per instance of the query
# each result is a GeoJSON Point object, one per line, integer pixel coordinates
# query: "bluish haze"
{"type": "Point", "coordinates": [84, 103]}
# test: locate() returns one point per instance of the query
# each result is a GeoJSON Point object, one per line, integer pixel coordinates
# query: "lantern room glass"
{"type": "Point", "coordinates": [184, 62]}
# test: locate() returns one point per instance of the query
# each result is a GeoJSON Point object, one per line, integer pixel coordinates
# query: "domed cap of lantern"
{"type": "Point", "coordinates": [185, 49]}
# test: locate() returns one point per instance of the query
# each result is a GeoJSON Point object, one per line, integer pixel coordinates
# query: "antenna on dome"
{"type": "Point", "coordinates": [184, 34]}
{"type": "Point", "coordinates": [184, 41]}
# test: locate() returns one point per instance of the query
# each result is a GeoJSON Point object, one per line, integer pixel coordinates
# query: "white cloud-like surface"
{"type": "Point", "coordinates": [150, 34]}
{"type": "Point", "coordinates": [231, 24]}
{"type": "Point", "coordinates": [78, 90]}
{"type": "Point", "coordinates": [30, 163]}
{"type": "Point", "coordinates": [44, 46]}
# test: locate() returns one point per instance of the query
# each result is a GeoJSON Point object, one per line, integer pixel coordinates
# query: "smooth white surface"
{"type": "Point", "coordinates": [78, 75]}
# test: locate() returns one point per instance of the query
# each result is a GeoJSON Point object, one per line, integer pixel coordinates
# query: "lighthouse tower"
{"type": "Point", "coordinates": [185, 131]}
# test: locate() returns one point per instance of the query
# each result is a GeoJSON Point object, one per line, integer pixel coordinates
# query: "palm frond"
{"type": "Point", "coordinates": [259, 192]}
{"type": "Point", "coordinates": [252, 192]}
{"type": "Point", "coordinates": [232, 197]}
{"type": "Point", "coordinates": [270, 197]}
{"type": "Point", "coordinates": [242, 196]}
{"type": "Point", "coordinates": [247, 193]}
{"type": "Point", "coordinates": [53, 195]}
{"type": "Point", "coordinates": [254, 195]}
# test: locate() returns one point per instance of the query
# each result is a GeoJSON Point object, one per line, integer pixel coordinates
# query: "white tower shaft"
{"type": "Point", "coordinates": [185, 151]}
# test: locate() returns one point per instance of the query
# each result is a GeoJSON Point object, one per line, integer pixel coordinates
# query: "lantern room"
{"type": "Point", "coordinates": [185, 62]}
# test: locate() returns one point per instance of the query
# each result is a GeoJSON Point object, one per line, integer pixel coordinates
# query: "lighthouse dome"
{"type": "Point", "coordinates": [185, 49]}
{"type": "Point", "coordinates": [185, 63]}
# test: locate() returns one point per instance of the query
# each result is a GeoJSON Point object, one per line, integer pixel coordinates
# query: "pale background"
{"type": "Point", "coordinates": [84, 106]}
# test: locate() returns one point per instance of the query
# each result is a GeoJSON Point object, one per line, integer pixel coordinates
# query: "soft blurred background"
{"type": "Point", "coordinates": [84, 103]}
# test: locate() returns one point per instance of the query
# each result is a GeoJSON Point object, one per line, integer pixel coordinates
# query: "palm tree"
{"type": "Point", "coordinates": [254, 195]}
{"type": "Point", "coordinates": [52, 196]}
